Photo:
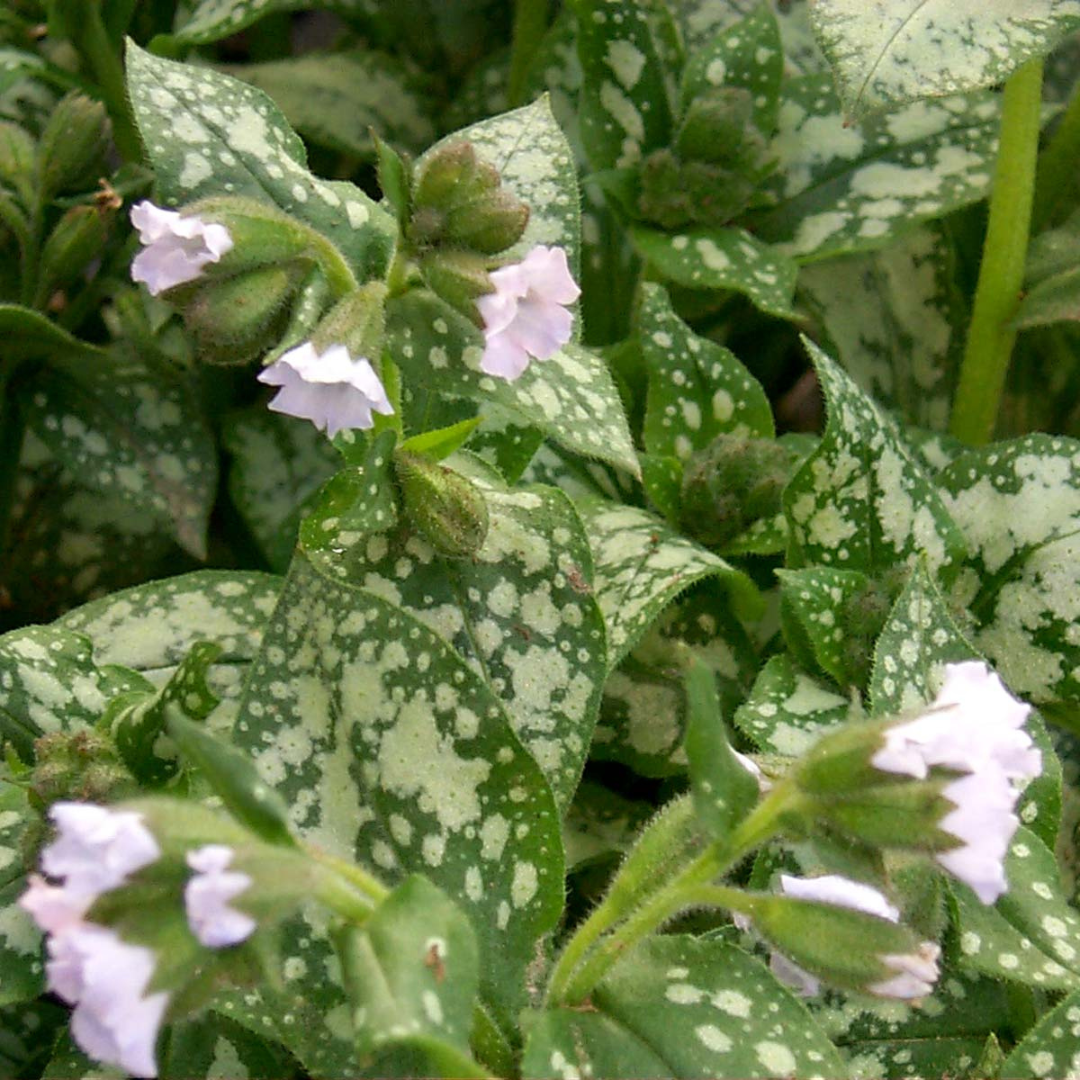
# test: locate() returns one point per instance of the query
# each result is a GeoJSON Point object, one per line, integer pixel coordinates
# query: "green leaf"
{"type": "Point", "coordinates": [27, 333]}
{"type": "Point", "coordinates": [568, 1044]}
{"type": "Point", "coordinates": [212, 1046]}
{"type": "Point", "coordinates": [722, 259]}
{"type": "Point", "coordinates": [571, 398]}
{"type": "Point", "coordinates": [862, 501]}
{"type": "Point", "coordinates": [131, 430]}
{"type": "Point", "coordinates": [885, 57]}
{"type": "Point", "coordinates": [391, 750]}
{"type": "Point", "coordinates": [21, 969]}
{"type": "Point", "coordinates": [413, 971]}
{"type": "Point", "coordinates": [206, 133]}
{"type": "Point", "coordinates": [843, 188]}
{"type": "Point", "coordinates": [642, 564]}
{"type": "Point", "coordinates": [697, 389]}
{"type": "Point", "coordinates": [1018, 504]}
{"type": "Point", "coordinates": [30, 1030]}
{"type": "Point", "coordinates": [336, 99]}
{"type": "Point", "coordinates": [1055, 299]}
{"type": "Point", "coordinates": [441, 443]}
{"type": "Point", "coordinates": [896, 322]}
{"type": "Point", "coordinates": [601, 822]}
{"type": "Point", "coordinates": [624, 104]}
{"type": "Point", "coordinates": [1051, 1047]}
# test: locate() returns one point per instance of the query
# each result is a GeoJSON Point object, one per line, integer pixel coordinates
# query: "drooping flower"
{"type": "Point", "coordinates": [526, 318]}
{"type": "Point", "coordinates": [176, 248]}
{"type": "Point", "coordinates": [974, 727]}
{"type": "Point", "coordinates": [332, 390]}
{"type": "Point", "coordinates": [915, 973]}
{"type": "Point", "coordinates": [207, 896]}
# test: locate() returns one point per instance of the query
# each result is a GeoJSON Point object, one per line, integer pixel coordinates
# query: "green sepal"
{"type": "Point", "coordinates": [447, 508]}
{"type": "Point", "coordinates": [357, 321]}
{"type": "Point", "coordinates": [839, 763]}
{"type": "Point", "coordinates": [441, 443]}
{"type": "Point", "coordinates": [76, 240]}
{"type": "Point", "coordinates": [458, 277]}
{"type": "Point", "coordinates": [73, 145]}
{"type": "Point", "coordinates": [395, 180]}
{"type": "Point", "coordinates": [900, 815]}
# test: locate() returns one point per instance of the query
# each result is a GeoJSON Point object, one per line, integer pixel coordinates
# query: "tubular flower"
{"type": "Point", "coordinates": [175, 248]}
{"type": "Point", "coordinates": [332, 390]}
{"type": "Point", "coordinates": [207, 896]}
{"type": "Point", "coordinates": [526, 318]}
{"type": "Point", "coordinates": [973, 727]}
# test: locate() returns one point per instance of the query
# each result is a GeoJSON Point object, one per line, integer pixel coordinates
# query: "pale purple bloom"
{"type": "Point", "coordinates": [175, 248]}
{"type": "Point", "coordinates": [332, 390]}
{"type": "Point", "coordinates": [974, 726]}
{"type": "Point", "coordinates": [526, 316]}
{"type": "Point", "coordinates": [207, 896]}
{"type": "Point", "coordinates": [53, 907]}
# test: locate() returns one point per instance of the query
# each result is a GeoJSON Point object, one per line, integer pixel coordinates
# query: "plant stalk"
{"type": "Point", "coordinates": [94, 44]}
{"type": "Point", "coordinates": [990, 337]}
{"type": "Point", "coordinates": [530, 22]}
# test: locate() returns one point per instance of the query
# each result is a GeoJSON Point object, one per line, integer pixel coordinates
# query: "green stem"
{"type": "Point", "coordinates": [94, 44]}
{"type": "Point", "coordinates": [1059, 164]}
{"type": "Point", "coordinates": [990, 338]}
{"type": "Point", "coordinates": [349, 872]}
{"type": "Point", "coordinates": [397, 277]}
{"type": "Point", "coordinates": [530, 22]}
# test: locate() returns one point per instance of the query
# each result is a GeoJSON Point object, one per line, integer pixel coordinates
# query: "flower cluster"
{"type": "Point", "coordinates": [90, 966]}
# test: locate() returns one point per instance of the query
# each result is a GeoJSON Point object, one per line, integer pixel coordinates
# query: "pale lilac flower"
{"type": "Point", "coordinates": [207, 895]}
{"type": "Point", "coordinates": [526, 316]}
{"type": "Point", "coordinates": [332, 390]}
{"type": "Point", "coordinates": [175, 247]}
{"type": "Point", "coordinates": [96, 848]}
{"type": "Point", "coordinates": [916, 972]}
{"type": "Point", "coordinates": [53, 907]}
{"type": "Point", "coordinates": [974, 726]}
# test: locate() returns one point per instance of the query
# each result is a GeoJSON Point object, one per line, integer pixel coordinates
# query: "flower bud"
{"type": "Point", "coordinates": [446, 507]}
{"type": "Point", "coordinates": [71, 153]}
{"type": "Point", "coordinates": [357, 321]}
{"type": "Point", "coordinates": [459, 278]}
{"type": "Point", "coordinates": [16, 159]}
{"type": "Point", "coordinates": [77, 239]}
{"type": "Point", "coordinates": [81, 765]}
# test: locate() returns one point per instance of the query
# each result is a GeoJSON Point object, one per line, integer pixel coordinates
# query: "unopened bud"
{"type": "Point", "coordinates": [77, 239]}
{"type": "Point", "coordinates": [446, 507]}
{"type": "Point", "coordinates": [72, 150]}
{"type": "Point", "coordinates": [357, 321]}
{"type": "Point", "coordinates": [16, 157]}
{"type": "Point", "coordinates": [458, 277]}
{"type": "Point", "coordinates": [80, 765]}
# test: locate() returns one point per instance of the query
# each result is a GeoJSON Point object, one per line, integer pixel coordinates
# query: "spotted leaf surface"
{"type": "Point", "coordinates": [210, 1045]}
{"type": "Point", "coordinates": [788, 711]}
{"type": "Point", "coordinates": [1051, 1048]}
{"type": "Point", "coordinates": [1018, 504]}
{"type": "Point", "coordinates": [212, 20]}
{"type": "Point", "coordinates": [844, 188]}
{"type": "Point", "coordinates": [697, 389]}
{"type": "Point", "coordinates": [132, 431]}
{"type": "Point", "coordinates": [624, 104]}
{"type": "Point", "coordinates": [641, 566]}
{"type": "Point", "coordinates": [21, 969]}
{"type": "Point", "coordinates": [207, 134]}
{"type": "Point", "coordinates": [887, 53]}
{"type": "Point", "coordinates": [519, 611]}
{"type": "Point", "coordinates": [389, 748]}
{"type": "Point", "coordinates": [707, 1009]}
{"type": "Point", "coordinates": [862, 501]}
{"type": "Point", "coordinates": [721, 259]}
{"type": "Point", "coordinates": [896, 322]}
{"type": "Point", "coordinates": [566, 1044]}
{"type": "Point", "coordinates": [601, 822]}
{"type": "Point", "coordinates": [1032, 935]}
{"type": "Point", "coordinates": [571, 398]}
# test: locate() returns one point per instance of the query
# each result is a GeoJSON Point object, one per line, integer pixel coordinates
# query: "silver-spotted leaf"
{"type": "Point", "coordinates": [1051, 1047]}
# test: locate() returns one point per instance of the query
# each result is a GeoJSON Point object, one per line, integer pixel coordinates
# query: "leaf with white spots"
{"type": "Point", "coordinates": [412, 972]}
{"type": "Point", "coordinates": [21, 969]}
{"type": "Point", "coordinates": [890, 52]}
{"type": "Point", "coordinates": [564, 1045]}
{"type": "Point", "coordinates": [1032, 934]}
{"type": "Point", "coordinates": [1051, 1047]}
{"type": "Point", "coordinates": [722, 259]}
{"type": "Point", "coordinates": [697, 389]}
{"type": "Point", "coordinates": [642, 564]}
{"type": "Point", "coordinates": [896, 322]}
{"type": "Point", "coordinates": [601, 824]}
{"type": "Point", "coordinates": [211, 20]}
{"type": "Point", "coordinates": [844, 188]}
{"type": "Point", "coordinates": [212, 1046]}
{"type": "Point", "coordinates": [206, 133]}
{"type": "Point", "coordinates": [571, 398]}
{"type": "Point", "coordinates": [788, 711]}
{"type": "Point", "coordinates": [278, 462]}
{"type": "Point", "coordinates": [390, 749]}
{"type": "Point", "coordinates": [862, 501]}
{"type": "Point", "coordinates": [624, 108]}
{"type": "Point", "coordinates": [133, 431]}
{"type": "Point", "coordinates": [707, 1009]}
{"type": "Point", "coordinates": [1018, 504]}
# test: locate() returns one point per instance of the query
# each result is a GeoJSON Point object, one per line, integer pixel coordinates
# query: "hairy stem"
{"type": "Point", "coordinates": [94, 44]}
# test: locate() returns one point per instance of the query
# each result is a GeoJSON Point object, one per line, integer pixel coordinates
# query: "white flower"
{"type": "Point", "coordinates": [526, 315]}
{"type": "Point", "coordinates": [974, 726]}
{"type": "Point", "coordinates": [53, 907]}
{"type": "Point", "coordinates": [175, 248]}
{"type": "Point", "coordinates": [105, 978]}
{"type": "Point", "coordinates": [96, 848]}
{"type": "Point", "coordinates": [916, 972]}
{"type": "Point", "coordinates": [207, 894]}
{"type": "Point", "coordinates": [333, 391]}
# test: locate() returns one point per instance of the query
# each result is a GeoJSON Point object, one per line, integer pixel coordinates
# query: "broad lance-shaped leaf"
{"type": "Point", "coordinates": [391, 750]}
{"type": "Point", "coordinates": [862, 501]}
{"type": "Point", "coordinates": [212, 20]}
{"type": "Point", "coordinates": [21, 970]}
{"type": "Point", "coordinates": [685, 1007]}
{"type": "Point", "coordinates": [206, 133]}
{"type": "Point", "coordinates": [1018, 504]}
{"type": "Point", "coordinates": [1051, 1047]}
{"type": "Point", "coordinates": [887, 53]}
{"type": "Point", "coordinates": [843, 188]}
{"type": "Point", "coordinates": [519, 611]}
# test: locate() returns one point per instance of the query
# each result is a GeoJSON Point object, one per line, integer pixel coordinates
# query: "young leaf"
{"type": "Point", "coordinates": [1050, 1048]}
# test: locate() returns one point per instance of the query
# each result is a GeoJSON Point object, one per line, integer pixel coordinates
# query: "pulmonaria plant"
{"type": "Point", "coordinates": [176, 248]}
{"type": "Point", "coordinates": [207, 896]}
